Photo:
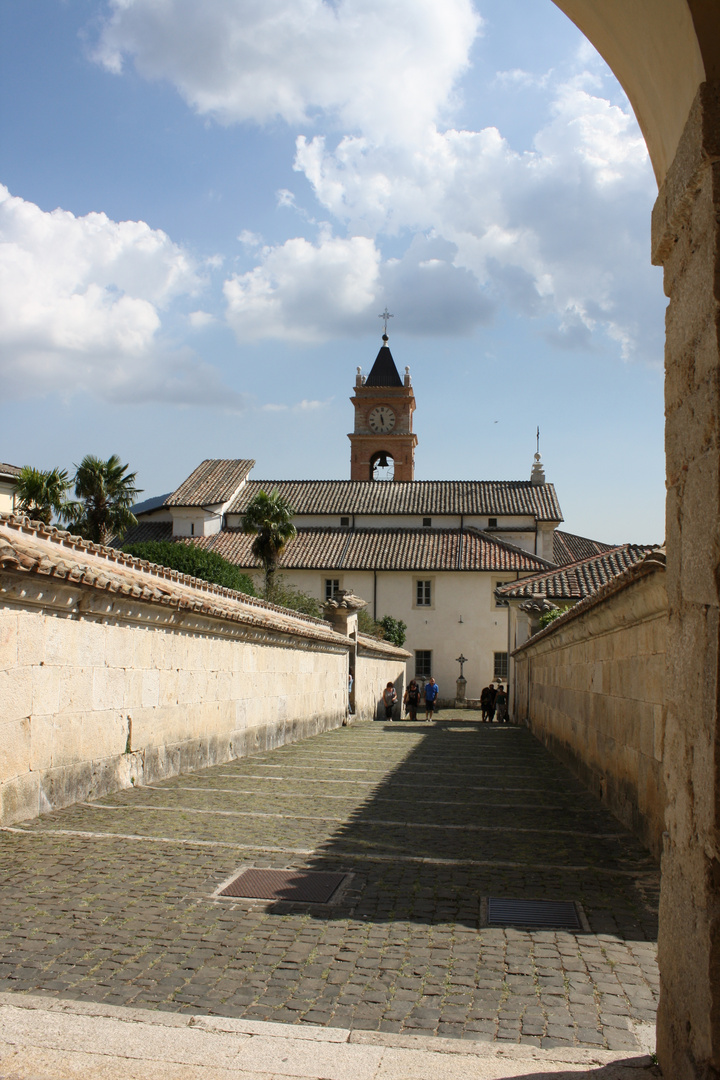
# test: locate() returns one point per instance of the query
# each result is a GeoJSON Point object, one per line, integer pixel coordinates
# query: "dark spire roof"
{"type": "Point", "coordinates": [384, 372]}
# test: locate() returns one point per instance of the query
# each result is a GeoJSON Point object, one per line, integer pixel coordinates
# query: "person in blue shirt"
{"type": "Point", "coordinates": [431, 692]}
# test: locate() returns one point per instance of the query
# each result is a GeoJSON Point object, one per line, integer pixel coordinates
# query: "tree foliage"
{"type": "Point", "coordinates": [195, 561]}
{"type": "Point", "coordinates": [270, 518]}
{"type": "Point", "coordinates": [42, 493]}
{"type": "Point", "coordinates": [105, 491]}
{"type": "Point", "coordinates": [288, 596]}
{"type": "Point", "coordinates": [394, 630]}
{"type": "Point", "coordinates": [367, 625]}
{"type": "Point", "coordinates": [548, 617]}
{"type": "Point", "coordinates": [387, 629]}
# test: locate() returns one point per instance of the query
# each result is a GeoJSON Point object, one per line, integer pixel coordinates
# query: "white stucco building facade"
{"type": "Point", "coordinates": [429, 553]}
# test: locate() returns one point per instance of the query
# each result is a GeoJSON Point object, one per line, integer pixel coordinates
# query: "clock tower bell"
{"type": "Point", "coordinates": [382, 446]}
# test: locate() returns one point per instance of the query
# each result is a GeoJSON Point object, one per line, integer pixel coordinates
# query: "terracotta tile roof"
{"type": "Point", "coordinates": [576, 580]}
{"type": "Point", "coordinates": [33, 548]}
{"type": "Point", "coordinates": [568, 548]}
{"type": "Point", "coordinates": [9, 470]}
{"type": "Point", "coordinates": [144, 531]}
{"type": "Point", "coordinates": [652, 561]}
{"type": "Point", "coordinates": [214, 481]}
{"type": "Point", "coordinates": [380, 549]}
{"type": "Point", "coordinates": [481, 497]}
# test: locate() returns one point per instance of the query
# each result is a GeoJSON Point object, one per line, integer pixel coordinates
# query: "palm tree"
{"type": "Point", "coordinates": [271, 518]}
{"type": "Point", "coordinates": [42, 493]}
{"type": "Point", "coordinates": [107, 494]}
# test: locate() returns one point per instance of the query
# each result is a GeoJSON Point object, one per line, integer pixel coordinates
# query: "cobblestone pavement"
{"type": "Point", "coordinates": [115, 900]}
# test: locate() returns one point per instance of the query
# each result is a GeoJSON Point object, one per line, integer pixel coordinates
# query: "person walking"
{"type": "Point", "coordinates": [501, 703]}
{"type": "Point", "coordinates": [485, 695]}
{"type": "Point", "coordinates": [412, 700]}
{"type": "Point", "coordinates": [389, 699]}
{"type": "Point", "coordinates": [491, 702]}
{"type": "Point", "coordinates": [431, 692]}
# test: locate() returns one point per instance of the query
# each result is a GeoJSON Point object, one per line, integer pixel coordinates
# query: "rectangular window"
{"type": "Point", "coordinates": [500, 666]}
{"type": "Point", "coordinates": [344, 522]}
{"type": "Point", "coordinates": [492, 523]}
{"type": "Point", "coordinates": [427, 523]}
{"type": "Point", "coordinates": [332, 586]}
{"type": "Point", "coordinates": [423, 593]}
{"type": "Point", "coordinates": [423, 663]}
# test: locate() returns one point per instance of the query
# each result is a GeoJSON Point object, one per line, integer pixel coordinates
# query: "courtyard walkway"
{"type": "Point", "coordinates": [116, 901]}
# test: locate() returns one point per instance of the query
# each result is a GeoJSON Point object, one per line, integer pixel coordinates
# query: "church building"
{"type": "Point", "coordinates": [428, 552]}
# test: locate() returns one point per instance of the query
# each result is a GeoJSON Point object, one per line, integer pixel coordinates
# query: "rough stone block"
{"type": "Point", "coordinates": [46, 683]}
{"type": "Point", "coordinates": [109, 685]}
{"type": "Point", "coordinates": [42, 741]}
{"type": "Point", "coordinates": [9, 641]}
{"type": "Point", "coordinates": [20, 799]}
{"type": "Point", "coordinates": [31, 628]}
{"type": "Point", "coordinates": [15, 751]}
{"type": "Point", "coordinates": [15, 693]}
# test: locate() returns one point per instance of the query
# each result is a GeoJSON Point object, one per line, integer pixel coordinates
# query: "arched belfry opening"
{"type": "Point", "coordinates": [382, 466]}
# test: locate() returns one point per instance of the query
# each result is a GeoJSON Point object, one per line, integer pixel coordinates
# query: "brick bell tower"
{"type": "Point", "coordinates": [382, 446]}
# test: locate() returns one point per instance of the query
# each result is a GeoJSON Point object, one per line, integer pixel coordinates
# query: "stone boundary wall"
{"type": "Point", "coordinates": [377, 664]}
{"type": "Point", "coordinates": [116, 672]}
{"type": "Point", "coordinates": [591, 687]}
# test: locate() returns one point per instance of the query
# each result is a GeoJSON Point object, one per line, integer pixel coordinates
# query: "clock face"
{"type": "Point", "coordinates": [381, 419]}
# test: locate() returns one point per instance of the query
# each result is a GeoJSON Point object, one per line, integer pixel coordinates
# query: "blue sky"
{"type": "Point", "coordinates": [208, 205]}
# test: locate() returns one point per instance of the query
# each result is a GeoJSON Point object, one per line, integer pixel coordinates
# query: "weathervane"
{"type": "Point", "coordinates": [538, 439]}
{"type": "Point", "coordinates": [385, 316]}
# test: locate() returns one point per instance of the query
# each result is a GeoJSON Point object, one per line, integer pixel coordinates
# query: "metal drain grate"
{"type": "Point", "coordinates": [300, 886]}
{"type": "Point", "coordinates": [554, 914]}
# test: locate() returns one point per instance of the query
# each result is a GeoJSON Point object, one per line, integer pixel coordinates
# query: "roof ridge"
{"type": "Point", "coordinates": [564, 567]}
{"type": "Point", "coordinates": [491, 538]}
{"type": "Point", "coordinates": [653, 560]}
{"type": "Point", "coordinates": [63, 537]}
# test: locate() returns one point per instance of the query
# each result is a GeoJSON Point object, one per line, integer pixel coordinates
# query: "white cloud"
{"type": "Point", "coordinates": [200, 319]}
{"type": "Point", "coordinates": [308, 292]}
{"type": "Point", "coordinates": [384, 67]}
{"type": "Point", "coordinates": [303, 291]}
{"type": "Point", "coordinates": [304, 406]}
{"type": "Point", "coordinates": [559, 231]}
{"type": "Point", "coordinates": [81, 300]}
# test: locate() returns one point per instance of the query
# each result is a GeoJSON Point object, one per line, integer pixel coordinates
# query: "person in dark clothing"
{"type": "Point", "coordinates": [389, 699]}
{"type": "Point", "coordinates": [486, 695]}
{"type": "Point", "coordinates": [491, 702]}
{"type": "Point", "coordinates": [412, 699]}
{"type": "Point", "coordinates": [501, 703]}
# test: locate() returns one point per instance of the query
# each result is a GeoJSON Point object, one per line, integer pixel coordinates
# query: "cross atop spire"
{"type": "Point", "coordinates": [385, 316]}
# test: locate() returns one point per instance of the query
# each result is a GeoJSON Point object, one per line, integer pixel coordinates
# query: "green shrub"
{"type": "Point", "coordinates": [367, 625]}
{"type": "Point", "coordinates": [288, 596]}
{"type": "Point", "coordinates": [387, 629]}
{"type": "Point", "coordinates": [550, 616]}
{"type": "Point", "coordinates": [195, 561]}
{"type": "Point", "coordinates": [394, 630]}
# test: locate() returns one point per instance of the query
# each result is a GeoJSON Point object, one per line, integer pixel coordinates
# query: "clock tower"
{"type": "Point", "coordinates": [382, 446]}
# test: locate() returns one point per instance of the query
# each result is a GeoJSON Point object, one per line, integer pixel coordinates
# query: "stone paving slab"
{"type": "Point", "coordinates": [117, 902]}
{"type": "Point", "coordinates": [43, 1040]}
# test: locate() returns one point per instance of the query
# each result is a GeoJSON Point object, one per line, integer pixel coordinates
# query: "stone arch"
{"type": "Point", "coordinates": [666, 55]}
{"type": "Point", "coordinates": [382, 472]}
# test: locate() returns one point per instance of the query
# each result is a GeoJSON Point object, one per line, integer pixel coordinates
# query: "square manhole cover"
{"type": "Point", "coordinates": [553, 914]}
{"type": "Point", "coordinates": [299, 886]}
